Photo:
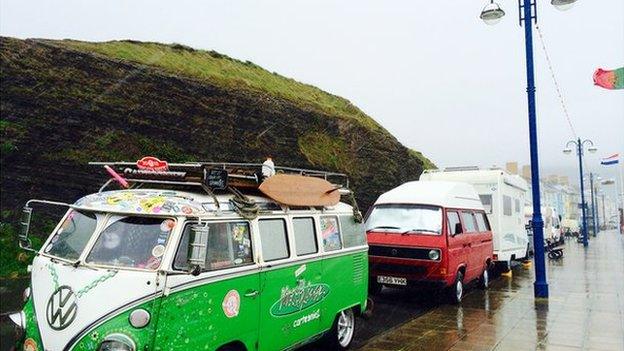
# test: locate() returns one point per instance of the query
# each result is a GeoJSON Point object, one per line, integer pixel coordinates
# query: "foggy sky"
{"type": "Point", "coordinates": [432, 73]}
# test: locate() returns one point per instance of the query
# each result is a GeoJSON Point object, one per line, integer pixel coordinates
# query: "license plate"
{"type": "Point", "coordinates": [382, 279]}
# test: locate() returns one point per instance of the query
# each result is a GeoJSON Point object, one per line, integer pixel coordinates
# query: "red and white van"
{"type": "Point", "coordinates": [429, 234]}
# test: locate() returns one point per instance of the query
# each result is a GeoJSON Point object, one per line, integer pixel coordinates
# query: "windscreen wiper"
{"type": "Point", "coordinates": [384, 227]}
{"type": "Point", "coordinates": [419, 230]}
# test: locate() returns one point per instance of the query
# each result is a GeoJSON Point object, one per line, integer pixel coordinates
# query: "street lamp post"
{"type": "Point", "coordinates": [593, 202]}
{"type": "Point", "coordinates": [492, 14]}
{"type": "Point", "coordinates": [578, 144]}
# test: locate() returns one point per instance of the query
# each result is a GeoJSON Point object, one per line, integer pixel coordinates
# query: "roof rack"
{"type": "Point", "coordinates": [215, 176]}
{"type": "Point", "coordinates": [210, 176]}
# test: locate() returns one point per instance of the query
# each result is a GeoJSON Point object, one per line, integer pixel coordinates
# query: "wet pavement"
{"type": "Point", "coordinates": [585, 310]}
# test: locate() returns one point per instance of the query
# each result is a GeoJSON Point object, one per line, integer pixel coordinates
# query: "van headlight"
{"type": "Point", "coordinates": [117, 342]}
{"type": "Point", "coordinates": [434, 255]}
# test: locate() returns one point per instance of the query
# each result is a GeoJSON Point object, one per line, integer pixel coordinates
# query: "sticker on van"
{"type": "Point", "coordinates": [231, 304]}
{"type": "Point", "coordinates": [296, 299]}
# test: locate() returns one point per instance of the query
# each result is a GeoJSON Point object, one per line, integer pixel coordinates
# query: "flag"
{"type": "Point", "coordinates": [609, 79]}
{"type": "Point", "coordinates": [611, 160]}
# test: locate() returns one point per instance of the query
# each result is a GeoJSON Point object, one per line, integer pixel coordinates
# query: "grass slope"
{"type": "Point", "coordinates": [225, 71]}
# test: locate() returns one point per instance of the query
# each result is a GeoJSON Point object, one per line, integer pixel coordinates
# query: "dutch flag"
{"type": "Point", "coordinates": [611, 160]}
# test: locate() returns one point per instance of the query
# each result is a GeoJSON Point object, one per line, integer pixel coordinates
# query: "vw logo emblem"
{"type": "Point", "coordinates": [394, 252]}
{"type": "Point", "coordinates": [61, 310]}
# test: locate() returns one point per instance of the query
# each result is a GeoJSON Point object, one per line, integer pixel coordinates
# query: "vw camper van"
{"type": "Point", "coordinates": [219, 264]}
{"type": "Point", "coordinates": [503, 197]}
{"type": "Point", "coordinates": [431, 234]}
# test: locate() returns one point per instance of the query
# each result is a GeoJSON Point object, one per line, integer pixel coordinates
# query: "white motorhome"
{"type": "Point", "coordinates": [503, 196]}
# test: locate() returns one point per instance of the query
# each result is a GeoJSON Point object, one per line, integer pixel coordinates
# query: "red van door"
{"type": "Point", "coordinates": [472, 248]}
{"type": "Point", "coordinates": [457, 243]}
{"type": "Point", "coordinates": [485, 237]}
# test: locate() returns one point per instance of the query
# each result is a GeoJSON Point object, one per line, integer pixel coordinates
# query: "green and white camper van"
{"type": "Point", "coordinates": [153, 267]}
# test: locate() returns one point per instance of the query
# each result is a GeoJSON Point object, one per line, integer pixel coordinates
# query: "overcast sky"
{"type": "Point", "coordinates": [431, 72]}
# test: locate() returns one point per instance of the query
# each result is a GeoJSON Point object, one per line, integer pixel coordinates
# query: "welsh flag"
{"type": "Point", "coordinates": [609, 79]}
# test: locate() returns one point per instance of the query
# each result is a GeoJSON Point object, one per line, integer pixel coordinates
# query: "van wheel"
{"type": "Point", "coordinates": [456, 291]}
{"type": "Point", "coordinates": [484, 280]}
{"type": "Point", "coordinates": [341, 334]}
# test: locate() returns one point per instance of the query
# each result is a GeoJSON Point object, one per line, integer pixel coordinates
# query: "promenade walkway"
{"type": "Point", "coordinates": [585, 310]}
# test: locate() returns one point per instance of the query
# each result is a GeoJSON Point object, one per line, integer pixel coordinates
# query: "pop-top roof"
{"type": "Point", "coordinates": [437, 193]}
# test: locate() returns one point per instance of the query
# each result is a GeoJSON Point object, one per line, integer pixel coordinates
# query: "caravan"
{"type": "Point", "coordinates": [503, 196]}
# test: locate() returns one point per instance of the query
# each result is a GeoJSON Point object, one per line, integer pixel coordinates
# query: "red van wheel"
{"type": "Point", "coordinates": [456, 291]}
{"type": "Point", "coordinates": [484, 280]}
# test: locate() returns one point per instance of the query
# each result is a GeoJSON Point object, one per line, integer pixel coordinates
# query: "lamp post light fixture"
{"type": "Point", "coordinates": [579, 145]}
{"type": "Point", "coordinates": [563, 5]}
{"type": "Point", "coordinates": [491, 14]}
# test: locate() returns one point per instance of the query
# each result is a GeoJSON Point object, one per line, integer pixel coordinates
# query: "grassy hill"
{"type": "Point", "coordinates": [65, 103]}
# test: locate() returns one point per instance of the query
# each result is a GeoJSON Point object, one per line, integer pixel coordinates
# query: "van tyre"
{"type": "Point", "coordinates": [341, 334]}
{"type": "Point", "coordinates": [484, 280]}
{"type": "Point", "coordinates": [456, 291]}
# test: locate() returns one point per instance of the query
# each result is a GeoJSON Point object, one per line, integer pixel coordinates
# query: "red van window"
{"type": "Point", "coordinates": [482, 222]}
{"type": "Point", "coordinates": [469, 222]}
{"type": "Point", "coordinates": [454, 225]}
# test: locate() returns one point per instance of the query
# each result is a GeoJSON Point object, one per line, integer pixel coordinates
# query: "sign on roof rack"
{"type": "Point", "coordinates": [216, 179]}
{"type": "Point", "coordinates": [150, 163]}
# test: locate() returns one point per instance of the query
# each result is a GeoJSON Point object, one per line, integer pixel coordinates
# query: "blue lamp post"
{"type": "Point", "coordinates": [492, 14]}
{"type": "Point", "coordinates": [579, 145]}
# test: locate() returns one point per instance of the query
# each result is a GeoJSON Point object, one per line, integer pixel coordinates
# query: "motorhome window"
{"type": "Point", "coordinates": [305, 236]}
{"type": "Point", "coordinates": [482, 222]}
{"type": "Point", "coordinates": [72, 236]}
{"type": "Point", "coordinates": [353, 233]}
{"type": "Point", "coordinates": [137, 242]}
{"type": "Point", "coordinates": [454, 225]}
{"type": "Point", "coordinates": [273, 239]}
{"type": "Point", "coordinates": [404, 218]}
{"type": "Point", "coordinates": [330, 231]}
{"type": "Point", "coordinates": [517, 205]}
{"type": "Point", "coordinates": [507, 205]}
{"type": "Point", "coordinates": [469, 222]}
{"type": "Point", "coordinates": [228, 245]}
{"type": "Point", "coordinates": [486, 200]}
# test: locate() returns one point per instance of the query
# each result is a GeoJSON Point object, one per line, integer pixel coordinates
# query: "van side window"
{"type": "Point", "coordinates": [469, 222]}
{"type": "Point", "coordinates": [454, 225]}
{"type": "Point", "coordinates": [273, 239]}
{"type": "Point", "coordinates": [330, 231]}
{"type": "Point", "coordinates": [228, 245]}
{"type": "Point", "coordinates": [482, 222]}
{"type": "Point", "coordinates": [507, 205]}
{"type": "Point", "coordinates": [353, 233]}
{"type": "Point", "coordinates": [305, 236]}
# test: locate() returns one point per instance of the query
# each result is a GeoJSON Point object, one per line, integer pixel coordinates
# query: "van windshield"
{"type": "Point", "coordinates": [72, 235]}
{"type": "Point", "coordinates": [405, 219]}
{"type": "Point", "coordinates": [132, 241]}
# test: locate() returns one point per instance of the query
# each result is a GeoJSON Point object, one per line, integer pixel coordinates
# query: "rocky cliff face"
{"type": "Point", "coordinates": [66, 103]}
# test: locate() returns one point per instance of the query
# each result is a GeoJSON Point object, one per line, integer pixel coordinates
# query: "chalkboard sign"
{"type": "Point", "coordinates": [216, 179]}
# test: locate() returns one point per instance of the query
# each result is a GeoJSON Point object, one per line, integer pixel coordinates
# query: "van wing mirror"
{"type": "Point", "coordinates": [27, 211]}
{"type": "Point", "coordinates": [198, 248]}
{"type": "Point", "coordinates": [458, 229]}
{"type": "Point", "coordinates": [24, 242]}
